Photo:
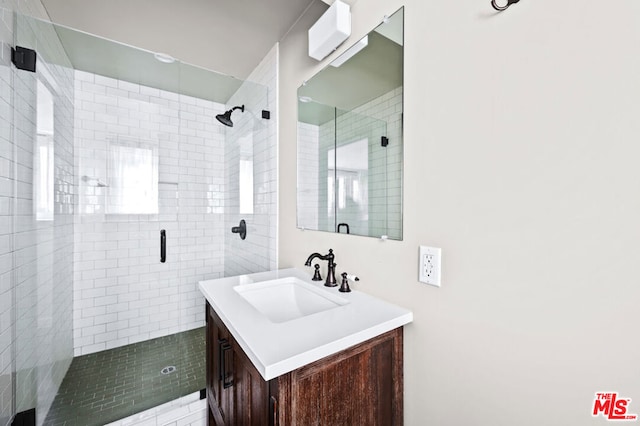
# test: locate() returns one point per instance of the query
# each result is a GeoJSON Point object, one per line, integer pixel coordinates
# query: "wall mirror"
{"type": "Point", "coordinates": [350, 143]}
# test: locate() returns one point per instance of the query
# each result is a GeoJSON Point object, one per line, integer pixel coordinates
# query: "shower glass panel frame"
{"type": "Point", "coordinates": [131, 157]}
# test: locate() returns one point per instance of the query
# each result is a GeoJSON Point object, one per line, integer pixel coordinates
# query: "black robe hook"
{"type": "Point", "coordinates": [501, 8]}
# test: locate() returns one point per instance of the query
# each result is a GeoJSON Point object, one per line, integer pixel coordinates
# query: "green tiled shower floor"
{"type": "Point", "coordinates": [106, 386]}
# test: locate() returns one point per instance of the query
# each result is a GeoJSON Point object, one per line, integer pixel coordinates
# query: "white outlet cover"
{"type": "Point", "coordinates": [429, 265]}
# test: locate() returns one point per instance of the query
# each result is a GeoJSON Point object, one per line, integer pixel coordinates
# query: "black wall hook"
{"type": "Point", "coordinates": [505, 7]}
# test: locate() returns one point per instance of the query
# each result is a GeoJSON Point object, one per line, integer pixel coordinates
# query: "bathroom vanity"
{"type": "Point", "coordinates": [283, 350]}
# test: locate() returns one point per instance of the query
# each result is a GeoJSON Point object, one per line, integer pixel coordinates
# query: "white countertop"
{"type": "Point", "coordinates": [278, 348]}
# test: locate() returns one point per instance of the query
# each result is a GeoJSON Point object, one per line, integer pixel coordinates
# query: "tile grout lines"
{"type": "Point", "coordinates": [106, 386]}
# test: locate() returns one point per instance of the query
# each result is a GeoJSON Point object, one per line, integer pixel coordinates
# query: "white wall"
{"type": "Point", "coordinates": [521, 163]}
{"type": "Point", "coordinates": [122, 293]}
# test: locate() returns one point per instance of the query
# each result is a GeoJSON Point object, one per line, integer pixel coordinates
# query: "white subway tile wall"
{"type": "Point", "coordinates": [253, 138]}
{"type": "Point", "coordinates": [326, 190]}
{"type": "Point", "coordinates": [122, 292]}
{"type": "Point", "coordinates": [308, 176]}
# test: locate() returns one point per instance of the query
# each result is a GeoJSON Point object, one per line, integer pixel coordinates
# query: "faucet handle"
{"type": "Point", "coordinates": [316, 274]}
{"type": "Point", "coordinates": [344, 288]}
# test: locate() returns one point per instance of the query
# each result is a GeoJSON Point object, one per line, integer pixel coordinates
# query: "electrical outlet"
{"type": "Point", "coordinates": [430, 265]}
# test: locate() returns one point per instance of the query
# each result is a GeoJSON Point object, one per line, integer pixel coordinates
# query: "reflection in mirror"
{"type": "Point", "coordinates": [351, 183]}
{"type": "Point", "coordinates": [349, 166]}
{"type": "Point", "coordinates": [360, 170]}
{"type": "Point", "coordinates": [350, 139]}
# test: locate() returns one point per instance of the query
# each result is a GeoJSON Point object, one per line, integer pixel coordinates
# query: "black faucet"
{"type": "Point", "coordinates": [331, 271]}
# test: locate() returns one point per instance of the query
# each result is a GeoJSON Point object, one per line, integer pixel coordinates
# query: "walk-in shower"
{"type": "Point", "coordinates": [103, 150]}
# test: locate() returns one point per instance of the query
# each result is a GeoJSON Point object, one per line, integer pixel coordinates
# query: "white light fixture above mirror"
{"type": "Point", "coordinates": [351, 52]}
{"type": "Point", "coordinates": [330, 31]}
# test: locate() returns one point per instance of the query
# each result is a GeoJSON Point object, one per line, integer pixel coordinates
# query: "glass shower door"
{"type": "Point", "coordinates": [43, 219]}
{"type": "Point", "coordinates": [96, 186]}
{"type": "Point", "coordinates": [7, 165]}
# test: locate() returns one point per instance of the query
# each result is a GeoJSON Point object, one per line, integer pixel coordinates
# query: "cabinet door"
{"type": "Point", "coordinates": [361, 385]}
{"type": "Point", "coordinates": [219, 358]}
{"type": "Point", "coordinates": [251, 392]}
{"type": "Point", "coordinates": [236, 392]}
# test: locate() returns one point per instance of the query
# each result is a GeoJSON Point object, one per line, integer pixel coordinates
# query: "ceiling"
{"type": "Point", "coordinates": [100, 56]}
{"type": "Point", "coordinates": [230, 37]}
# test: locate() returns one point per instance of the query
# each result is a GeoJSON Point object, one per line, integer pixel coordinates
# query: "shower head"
{"type": "Point", "coordinates": [226, 117]}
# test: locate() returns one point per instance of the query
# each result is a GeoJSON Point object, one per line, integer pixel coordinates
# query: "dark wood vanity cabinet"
{"type": "Point", "coordinates": [361, 385]}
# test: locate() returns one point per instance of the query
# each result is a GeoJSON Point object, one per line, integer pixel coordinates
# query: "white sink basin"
{"type": "Point", "coordinates": [286, 299]}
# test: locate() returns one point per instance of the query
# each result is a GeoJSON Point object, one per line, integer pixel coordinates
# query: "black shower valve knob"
{"type": "Point", "coordinates": [241, 229]}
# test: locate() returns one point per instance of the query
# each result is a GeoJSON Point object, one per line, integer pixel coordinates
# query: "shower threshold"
{"type": "Point", "coordinates": [188, 410]}
{"type": "Point", "coordinates": [110, 385]}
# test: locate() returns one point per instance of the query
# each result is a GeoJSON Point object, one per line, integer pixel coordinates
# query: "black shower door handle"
{"type": "Point", "coordinates": [163, 245]}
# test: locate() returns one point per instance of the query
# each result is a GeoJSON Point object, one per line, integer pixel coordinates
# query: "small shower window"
{"type": "Point", "coordinates": [245, 174]}
{"type": "Point", "coordinates": [43, 176]}
{"type": "Point", "coordinates": [246, 186]}
{"type": "Point", "coordinates": [133, 178]}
